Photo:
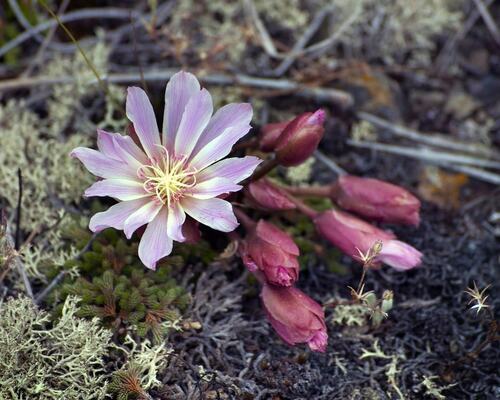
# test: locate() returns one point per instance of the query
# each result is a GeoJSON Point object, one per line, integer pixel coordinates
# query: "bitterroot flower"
{"type": "Point", "coordinates": [171, 174]}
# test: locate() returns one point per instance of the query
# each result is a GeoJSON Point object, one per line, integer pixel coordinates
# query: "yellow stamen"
{"type": "Point", "coordinates": [167, 177]}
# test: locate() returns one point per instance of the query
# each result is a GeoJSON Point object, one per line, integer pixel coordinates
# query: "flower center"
{"type": "Point", "coordinates": [168, 177]}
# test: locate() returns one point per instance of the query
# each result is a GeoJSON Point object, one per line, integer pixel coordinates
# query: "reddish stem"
{"type": "Point", "coordinates": [315, 191]}
{"type": "Point", "coordinates": [303, 207]}
{"type": "Point", "coordinates": [266, 167]}
{"type": "Point", "coordinates": [245, 220]}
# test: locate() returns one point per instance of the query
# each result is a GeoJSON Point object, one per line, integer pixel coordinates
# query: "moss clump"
{"type": "Point", "coordinates": [48, 362]}
{"type": "Point", "coordinates": [116, 287]}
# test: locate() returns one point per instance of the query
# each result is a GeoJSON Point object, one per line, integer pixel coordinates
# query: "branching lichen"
{"type": "Point", "coordinates": [44, 361]}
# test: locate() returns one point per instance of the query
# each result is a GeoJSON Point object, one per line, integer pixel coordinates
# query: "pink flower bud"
{"type": "Point", "coordinates": [268, 196]}
{"type": "Point", "coordinates": [272, 251]}
{"type": "Point", "coordinates": [295, 317]}
{"type": "Point", "coordinates": [353, 235]}
{"type": "Point", "coordinates": [376, 199]}
{"type": "Point", "coordinates": [270, 133]}
{"type": "Point", "coordinates": [300, 138]}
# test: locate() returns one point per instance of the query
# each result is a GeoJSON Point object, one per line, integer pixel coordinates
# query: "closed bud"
{"type": "Point", "coordinates": [270, 133]}
{"type": "Point", "coordinates": [300, 138]}
{"type": "Point", "coordinates": [295, 317]}
{"type": "Point", "coordinates": [353, 235]}
{"type": "Point", "coordinates": [273, 252]}
{"type": "Point", "coordinates": [375, 199]}
{"type": "Point", "coordinates": [266, 195]}
{"type": "Point", "coordinates": [387, 300]}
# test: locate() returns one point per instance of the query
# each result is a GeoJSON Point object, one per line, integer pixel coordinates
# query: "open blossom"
{"type": "Point", "coordinates": [295, 317]}
{"type": "Point", "coordinates": [273, 252]}
{"type": "Point", "coordinates": [174, 173]}
{"type": "Point", "coordinates": [376, 199]}
{"type": "Point", "coordinates": [353, 235]}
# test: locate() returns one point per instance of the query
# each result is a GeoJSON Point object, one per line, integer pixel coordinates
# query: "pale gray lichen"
{"type": "Point", "coordinates": [396, 29]}
{"type": "Point", "coordinates": [39, 145]}
{"type": "Point", "coordinates": [63, 360]}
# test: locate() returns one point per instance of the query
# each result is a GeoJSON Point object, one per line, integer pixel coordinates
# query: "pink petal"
{"type": "Point", "coordinates": [400, 255]}
{"type": "Point", "coordinates": [230, 115]}
{"type": "Point", "coordinates": [100, 165]}
{"type": "Point", "coordinates": [175, 220]}
{"type": "Point", "coordinates": [194, 120]}
{"type": "Point", "coordinates": [142, 216]}
{"type": "Point", "coordinates": [140, 112]}
{"type": "Point", "coordinates": [155, 243]}
{"type": "Point", "coordinates": [213, 188]}
{"type": "Point", "coordinates": [215, 213]}
{"type": "Point", "coordinates": [180, 88]}
{"type": "Point", "coordinates": [105, 144]}
{"type": "Point", "coordinates": [115, 216]}
{"type": "Point", "coordinates": [121, 189]}
{"type": "Point", "coordinates": [121, 148]}
{"type": "Point", "coordinates": [219, 147]}
{"type": "Point", "coordinates": [233, 169]}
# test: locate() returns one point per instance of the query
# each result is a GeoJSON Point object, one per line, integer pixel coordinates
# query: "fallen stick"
{"type": "Point", "coordinates": [432, 157]}
{"type": "Point", "coordinates": [424, 153]}
{"type": "Point", "coordinates": [335, 96]}
{"type": "Point", "coordinates": [429, 139]}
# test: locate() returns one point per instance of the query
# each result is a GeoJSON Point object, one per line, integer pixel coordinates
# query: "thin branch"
{"type": "Point", "coordinates": [303, 40]}
{"type": "Point", "coordinates": [432, 140]}
{"type": "Point", "coordinates": [266, 40]}
{"type": "Point", "coordinates": [488, 20]}
{"type": "Point", "coordinates": [88, 13]}
{"type": "Point", "coordinates": [46, 41]}
{"type": "Point", "coordinates": [438, 158]}
{"type": "Point", "coordinates": [327, 161]}
{"type": "Point", "coordinates": [16, 259]}
{"type": "Point", "coordinates": [60, 276]}
{"type": "Point", "coordinates": [427, 154]}
{"type": "Point", "coordinates": [319, 94]}
{"type": "Point", "coordinates": [17, 242]}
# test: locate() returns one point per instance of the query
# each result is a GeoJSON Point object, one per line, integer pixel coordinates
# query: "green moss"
{"type": "Point", "coordinates": [116, 287]}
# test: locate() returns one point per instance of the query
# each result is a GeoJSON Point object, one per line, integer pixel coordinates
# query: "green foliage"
{"type": "Point", "coordinates": [116, 287]}
{"type": "Point", "coordinates": [64, 360]}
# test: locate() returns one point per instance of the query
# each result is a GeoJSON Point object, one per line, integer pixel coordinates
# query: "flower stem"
{"type": "Point", "coordinates": [245, 220]}
{"type": "Point", "coordinates": [302, 207]}
{"type": "Point", "coordinates": [266, 167]}
{"type": "Point", "coordinates": [314, 191]}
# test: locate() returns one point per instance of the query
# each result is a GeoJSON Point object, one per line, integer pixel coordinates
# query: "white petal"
{"type": "Point", "coordinates": [219, 147]}
{"type": "Point", "coordinates": [233, 114]}
{"type": "Point", "coordinates": [155, 243]}
{"type": "Point", "coordinates": [100, 165]}
{"type": "Point", "coordinates": [175, 220]}
{"type": "Point", "coordinates": [215, 213]}
{"type": "Point", "coordinates": [121, 189]}
{"type": "Point", "coordinates": [142, 216]}
{"type": "Point", "coordinates": [213, 188]}
{"type": "Point", "coordinates": [234, 169]}
{"type": "Point", "coordinates": [194, 120]}
{"type": "Point", "coordinates": [141, 113]}
{"type": "Point", "coordinates": [180, 88]}
{"type": "Point", "coordinates": [115, 216]}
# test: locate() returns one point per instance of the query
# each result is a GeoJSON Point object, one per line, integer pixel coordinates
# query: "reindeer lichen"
{"type": "Point", "coordinates": [63, 360]}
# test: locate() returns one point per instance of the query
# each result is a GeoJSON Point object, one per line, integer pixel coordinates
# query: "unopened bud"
{"type": "Point", "coordinates": [273, 252]}
{"type": "Point", "coordinates": [387, 300]}
{"type": "Point", "coordinates": [268, 196]}
{"type": "Point", "coordinates": [376, 199]}
{"type": "Point", "coordinates": [295, 317]}
{"type": "Point", "coordinates": [300, 138]}
{"type": "Point", "coordinates": [270, 133]}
